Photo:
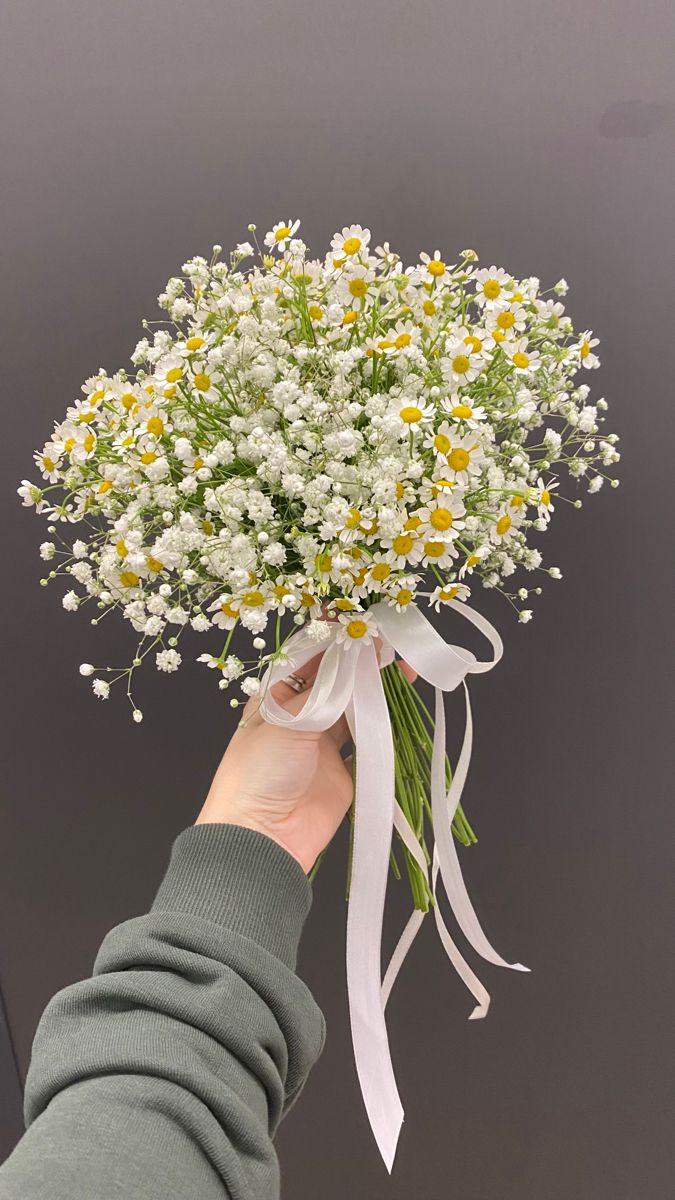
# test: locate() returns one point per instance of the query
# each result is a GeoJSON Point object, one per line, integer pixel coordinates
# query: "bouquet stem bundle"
{"type": "Point", "coordinates": [412, 729]}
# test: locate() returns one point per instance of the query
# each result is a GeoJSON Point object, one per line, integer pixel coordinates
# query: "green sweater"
{"type": "Point", "coordinates": [165, 1075]}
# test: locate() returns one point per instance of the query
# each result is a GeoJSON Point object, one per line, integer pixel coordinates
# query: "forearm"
{"type": "Point", "coordinates": [166, 1074]}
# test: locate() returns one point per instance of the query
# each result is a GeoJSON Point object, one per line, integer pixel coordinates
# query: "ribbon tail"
{"type": "Point", "coordinates": [373, 825]}
{"type": "Point", "coordinates": [412, 927]}
{"type": "Point", "coordinates": [443, 810]}
{"type": "Point", "coordinates": [414, 923]}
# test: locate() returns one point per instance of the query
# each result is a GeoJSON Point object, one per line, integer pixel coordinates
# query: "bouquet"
{"type": "Point", "coordinates": [345, 438]}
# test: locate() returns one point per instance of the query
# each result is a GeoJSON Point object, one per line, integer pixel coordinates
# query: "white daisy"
{"type": "Point", "coordinates": [463, 410]}
{"type": "Point", "coordinates": [413, 415]}
{"type": "Point", "coordinates": [442, 519]}
{"type": "Point", "coordinates": [435, 551]}
{"type": "Point", "coordinates": [586, 357]}
{"type": "Point", "coordinates": [449, 591]}
{"type": "Point", "coordinates": [350, 242]}
{"type": "Point", "coordinates": [225, 614]}
{"type": "Point", "coordinates": [280, 234]}
{"type": "Point", "coordinates": [400, 550]}
{"type": "Point", "coordinates": [460, 364]}
{"type": "Point", "coordinates": [490, 283]}
{"type": "Point", "coordinates": [356, 629]}
{"type": "Point", "coordinates": [473, 560]}
{"type": "Point", "coordinates": [436, 268]}
{"type": "Point", "coordinates": [524, 360]}
{"type": "Point", "coordinates": [541, 496]}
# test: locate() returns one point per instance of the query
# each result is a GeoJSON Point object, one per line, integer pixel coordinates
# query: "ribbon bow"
{"type": "Point", "coordinates": [348, 681]}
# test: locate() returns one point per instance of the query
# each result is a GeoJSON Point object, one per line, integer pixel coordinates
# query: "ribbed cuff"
{"type": "Point", "coordinates": [242, 880]}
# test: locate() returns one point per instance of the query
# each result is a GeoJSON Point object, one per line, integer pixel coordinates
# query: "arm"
{"type": "Point", "coordinates": [165, 1075]}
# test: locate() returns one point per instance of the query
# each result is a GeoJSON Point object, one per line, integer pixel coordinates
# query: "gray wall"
{"type": "Point", "coordinates": [138, 133]}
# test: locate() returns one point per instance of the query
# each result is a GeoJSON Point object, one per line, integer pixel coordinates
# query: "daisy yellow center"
{"type": "Point", "coordinates": [344, 604]}
{"type": "Point", "coordinates": [359, 576]}
{"type": "Point", "coordinates": [434, 549]}
{"type": "Point", "coordinates": [128, 400]}
{"type": "Point", "coordinates": [121, 549]}
{"type": "Point", "coordinates": [440, 518]}
{"type": "Point", "coordinates": [89, 442]}
{"type": "Point", "coordinates": [403, 544]}
{"type": "Point", "coordinates": [95, 397]}
{"type": "Point", "coordinates": [436, 268]}
{"type": "Point", "coordinates": [148, 458]}
{"type": "Point", "coordinates": [104, 486]}
{"type": "Point", "coordinates": [350, 316]}
{"type": "Point", "coordinates": [154, 565]}
{"type": "Point", "coordinates": [516, 502]}
{"type": "Point", "coordinates": [68, 444]}
{"type": "Point", "coordinates": [458, 459]}
{"type": "Point", "coordinates": [381, 571]}
{"type": "Point", "coordinates": [324, 562]}
{"type": "Point", "coordinates": [498, 335]}
{"type": "Point", "coordinates": [316, 312]}
{"type": "Point", "coordinates": [174, 374]}
{"type": "Point", "coordinates": [354, 519]}
{"type": "Point", "coordinates": [441, 443]}
{"type": "Point", "coordinates": [358, 287]}
{"type": "Point", "coordinates": [460, 364]}
{"type": "Point", "coordinates": [404, 596]}
{"type": "Point", "coordinates": [520, 359]}
{"type": "Point", "coordinates": [492, 289]}
{"type": "Point", "coordinates": [506, 320]}
{"type": "Point", "coordinates": [48, 463]}
{"type": "Point", "coordinates": [462, 412]}
{"type": "Point", "coordinates": [584, 350]}
{"type": "Point", "coordinates": [228, 610]}
{"type": "Point", "coordinates": [194, 343]}
{"type": "Point", "coordinates": [442, 485]}
{"type": "Point", "coordinates": [400, 490]}
{"type": "Point", "coordinates": [87, 418]}
{"type": "Point", "coordinates": [429, 308]}
{"type": "Point", "coordinates": [473, 343]}
{"type": "Point", "coordinates": [545, 497]}
{"type": "Point", "coordinates": [448, 593]}
{"type": "Point", "coordinates": [280, 591]}
{"type": "Point", "coordinates": [403, 339]}
{"type": "Point", "coordinates": [410, 414]}
{"type": "Point", "coordinates": [351, 245]}
{"type": "Point", "coordinates": [155, 425]}
{"type": "Point", "coordinates": [253, 599]}
{"type": "Point", "coordinates": [202, 382]}
{"type": "Point", "coordinates": [307, 599]}
{"type": "Point", "coordinates": [207, 527]}
{"type": "Point", "coordinates": [503, 524]}
{"type": "Point", "coordinates": [413, 523]}
{"type": "Point", "coordinates": [169, 392]}
{"type": "Point", "coordinates": [357, 628]}
{"type": "Point", "coordinates": [128, 579]}
{"type": "Point", "coordinates": [281, 233]}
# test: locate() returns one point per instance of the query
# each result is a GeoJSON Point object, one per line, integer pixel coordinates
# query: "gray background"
{"type": "Point", "coordinates": [138, 133]}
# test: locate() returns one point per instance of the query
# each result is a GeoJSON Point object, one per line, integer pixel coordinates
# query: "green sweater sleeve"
{"type": "Point", "coordinates": [166, 1074]}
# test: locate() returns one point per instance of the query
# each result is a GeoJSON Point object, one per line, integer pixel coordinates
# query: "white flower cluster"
{"type": "Point", "coordinates": [310, 436]}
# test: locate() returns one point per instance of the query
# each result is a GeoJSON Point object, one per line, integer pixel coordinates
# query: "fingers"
{"type": "Point", "coordinates": [409, 672]}
{"type": "Point", "coordinates": [284, 693]}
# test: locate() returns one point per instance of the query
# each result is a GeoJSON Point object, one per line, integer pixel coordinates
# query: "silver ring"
{"type": "Point", "coordinates": [296, 682]}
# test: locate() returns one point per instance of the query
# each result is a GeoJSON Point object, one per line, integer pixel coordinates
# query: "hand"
{"type": "Point", "coordinates": [290, 784]}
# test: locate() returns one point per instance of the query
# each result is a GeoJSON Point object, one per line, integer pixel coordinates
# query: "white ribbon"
{"type": "Point", "coordinates": [348, 680]}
